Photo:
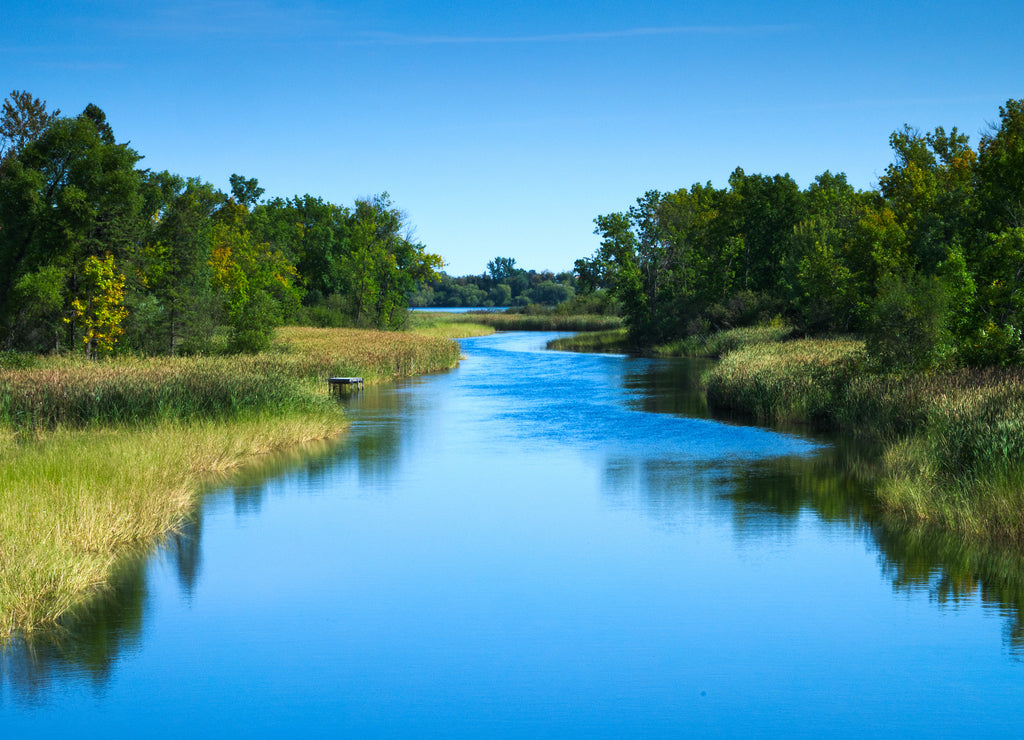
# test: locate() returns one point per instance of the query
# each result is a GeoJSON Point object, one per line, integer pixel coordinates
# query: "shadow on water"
{"type": "Point", "coordinates": [758, 498]}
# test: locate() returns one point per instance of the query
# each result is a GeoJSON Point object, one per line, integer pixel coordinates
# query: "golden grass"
{"type": "Point", "coordinates": [547, 321]}
{"type": "Point", "coordinates": [75, 502]}
{"type": "Point", "coordinates": [100, 460]}
{"type": "Point", "coordinates": [437, 324]}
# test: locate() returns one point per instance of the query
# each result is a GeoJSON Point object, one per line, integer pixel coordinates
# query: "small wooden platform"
{"type": "Point", "coordinates": [337, 385]}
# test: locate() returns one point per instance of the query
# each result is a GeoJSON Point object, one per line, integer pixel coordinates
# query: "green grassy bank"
{"type": "Point", "coordinates": [99, 460]}
{"type": "Point", "coordinates": [953, 443]}
{"type": "Point", "coordinates": [546, 321]}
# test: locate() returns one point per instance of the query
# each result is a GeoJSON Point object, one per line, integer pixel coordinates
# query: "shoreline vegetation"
{"type": "Point", "coordinates": [952, 442]}
{"type": "Point", "coordinates": [102, 460]}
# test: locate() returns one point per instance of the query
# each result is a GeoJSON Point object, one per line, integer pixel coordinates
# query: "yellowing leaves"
{"type": "Point", "coordinates": [101, 311]}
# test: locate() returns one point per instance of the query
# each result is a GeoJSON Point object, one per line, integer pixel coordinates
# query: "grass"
{"type": "Point", "coordinates": [617, 340]}
{"type": "Point", "coordinates": [541, 321]}
{"type": "Point", "coordinates": [100, 460]}
{"type": "Point", "coordinates": [953, 442]}
{"type": "Point", "coordinates": [722, 342]}
{"type": "Point", "coordinates": [610, 340]}
{"type": "Point", "coordinates": [72, 392]}
{"type": "Point", "coordinates": [438, 324]}
{"type": "Point", "coordinates": [75, 503]}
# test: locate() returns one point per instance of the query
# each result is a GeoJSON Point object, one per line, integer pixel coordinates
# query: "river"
{"type": "Point", "coordinates": [541, 544]}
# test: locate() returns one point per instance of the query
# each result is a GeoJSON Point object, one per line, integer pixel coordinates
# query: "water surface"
{"type": "Point", "coordinates": [541, 544]}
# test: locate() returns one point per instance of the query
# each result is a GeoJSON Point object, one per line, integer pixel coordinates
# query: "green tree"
{"type": "Point", "coordinates": [68, 194]}
{"type": "Point", "coordinates": [24, 119]}
{"type": "Point", "coordinates": [383, 264]}
{"type": "Point", "coordinates": [101, 311]}
{"type": "Point", "coordinates": [909, 324]}
{"type": "Point", "coordinates": [766, 209]}
{"type": "Point", "coordinates": [245, 191]}
{"type": "Point", "coordinates": [173, 303]}
{"type": "Point", "coordinates": [256, 283]}
{"type": "Point", "coordinates": [501, 269]}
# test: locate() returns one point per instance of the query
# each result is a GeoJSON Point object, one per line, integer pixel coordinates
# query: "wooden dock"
{"type": "Point", "coordinates": [337, 385]}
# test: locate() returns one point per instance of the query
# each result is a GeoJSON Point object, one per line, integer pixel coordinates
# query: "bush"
{"type": "Point", "coordinates": [909, 325]}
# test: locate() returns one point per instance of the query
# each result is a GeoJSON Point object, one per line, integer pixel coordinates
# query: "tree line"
{"type": "Point", "coordinates": [929, 266]}
{"type": "Point", "coordinates": [502, 285]}
{"type": "Point", "coordinates": [98, 253]}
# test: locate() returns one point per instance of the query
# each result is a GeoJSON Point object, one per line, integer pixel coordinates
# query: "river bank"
{"type": "Point", "coordinates": [952, 442]}
{"type": "Point", "coordinates": [103, 459]}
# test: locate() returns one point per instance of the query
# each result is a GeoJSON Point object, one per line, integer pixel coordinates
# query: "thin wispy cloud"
{"type": "Point", "coordinates": [399, 38]}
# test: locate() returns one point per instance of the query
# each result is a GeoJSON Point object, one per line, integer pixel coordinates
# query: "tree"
{"type": "Point", "coordinates": [101, 311]}
{"type": "Point", "coordinates": [245, 191]}
{"type": "Point", "coordinates": [36, 316]}
{"type": "Point", "coordinates": [501, 269]}
{"type": "Point", "coordinates": [382, 265]}
{"type": "Point", "coordinates": [256, 283]}
{"type": "Point", "coordinates": [1000, 171]}
{"type": "Point", "coordinates": [829, 280]}
{"type": "Point", "coordinates": [313, 234]}
{"type": "Point", "coordinates": [70, 193]}
{"type": "Point", "coordinates": [767, 209]}
{"type": "Point", "coordinates": [929, 188]}
{"type": "Point", "coordinates": [909, 324]}
{"type": "Point", "coordinates": [173, 305]}
{"type": "Point", "coordinates": [23, 120]}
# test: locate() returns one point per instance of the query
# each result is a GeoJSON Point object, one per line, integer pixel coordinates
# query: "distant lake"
{"type": "Point", "coordinates": [542, 544]}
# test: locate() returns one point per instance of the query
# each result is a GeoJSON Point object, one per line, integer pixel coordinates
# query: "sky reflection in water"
{"type": "Point", "coordinates": [520, 547]}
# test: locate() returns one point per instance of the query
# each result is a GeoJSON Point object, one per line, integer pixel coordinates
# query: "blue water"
{"type": "Point", "coordinates": [540, 544]}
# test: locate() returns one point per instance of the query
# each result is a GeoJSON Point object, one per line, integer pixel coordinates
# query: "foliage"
{"type": "Point", "coordinates": [503, 285]}
{"type": "Point", "coordinates": [102, 310]}
{"type": "Point", "coordinates": [929, 267]}
{"type": "Point", "coordinates": [192, 258]}
{"type": "Point", "coordinates": [23, 119]}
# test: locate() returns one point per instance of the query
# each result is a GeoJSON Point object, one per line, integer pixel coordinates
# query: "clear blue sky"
{"type": "Point", "coordinates": [505, 128]}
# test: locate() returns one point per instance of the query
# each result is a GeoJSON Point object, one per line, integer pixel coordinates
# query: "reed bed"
{"type": "Point", "coordinates": [541, 321]}
{"type": "Point", "coordinates": [786, 382]}
{"type": "Point", "coordinates": [74, 503]}
{"type": "Point", "coordinates": [98, 460]}
{"type": "Point", "coordinates": [436, 324]}
{"type": "Point", "coordinates": [292, 375]}
{"type": "Point", "coordinates": [721, 343]}
{"type": "Point", "coordinates": [954, 442]}
{"type": "Point", "coordinates": [611, 340]}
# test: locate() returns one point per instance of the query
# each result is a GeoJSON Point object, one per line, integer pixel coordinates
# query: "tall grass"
{"type": "Point", "coordinates": [437, 324]}
{"type": "Point", "coordinates": [610, 340]}
{"type": "Point", "coordinates": [954, 442]}
{"type": "Point", "coordinates": [541, 321]}
{"type": "Point", "coordinates": [792, 381]}
{"type": "Point", "coordinates": [100, 459]}
{"type": "Point", "coordinates": [721, 343]}
{"type": "Point", "coordinates": [74, 503]}
{"type": "Point", "coordinates": [291, 375]}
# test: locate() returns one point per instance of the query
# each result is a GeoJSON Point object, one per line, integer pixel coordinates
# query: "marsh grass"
{"type": "Point", "coordinates": [76, 502]}
{"type": "Point", "coordinates": [440, 324]}
{"type": "Point", "coordinates": [715, 345]}
{"type": "Point", "coordinates": [793, 381]}
{"type": "Point", "coordinates": [290, 376]}
{"type": "Point", "coordinates": [954, 442]}
{"type": "Point", "coordinates": [541, 321]}
{"type": "Point", "coordinates": [610, 340]}
{"type": "Point", "coordinates": [100, 460]}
